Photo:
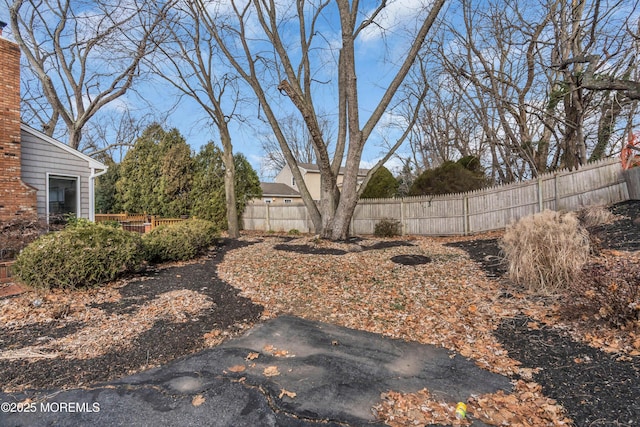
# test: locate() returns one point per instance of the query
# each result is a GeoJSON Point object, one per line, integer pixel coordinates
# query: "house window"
{"type": "Point", "coordinates": [62, 194]}
{"type": "Point", "coordinates": [287, 200]}
{"type": "Point", "coordinates": [267, 200]}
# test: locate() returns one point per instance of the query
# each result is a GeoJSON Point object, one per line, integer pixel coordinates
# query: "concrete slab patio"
{"type": "Point", "coordinates": [284, 372]}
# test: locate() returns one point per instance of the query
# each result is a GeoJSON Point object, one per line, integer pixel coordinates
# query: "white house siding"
{"type": "Point", "coordinates": [40, 158]}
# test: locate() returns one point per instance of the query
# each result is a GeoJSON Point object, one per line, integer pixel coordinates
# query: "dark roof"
{"type": "Point", "coordinates": [315, 168]}
{"type": "Point", "coordinates": [277, 189]}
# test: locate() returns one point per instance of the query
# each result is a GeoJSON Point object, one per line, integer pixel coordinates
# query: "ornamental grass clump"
{"type": "Point", "coordinates": [593, 216]}
{"type": "Point", "coordinates": [84, 255]}
{"type": "Point", "coordinates": [181, 241]}
{"type": "Point", "coordinates": [545, 252]}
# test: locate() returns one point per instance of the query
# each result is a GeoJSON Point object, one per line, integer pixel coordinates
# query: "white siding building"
{"type": "Point", "coordinates": [63, 177]}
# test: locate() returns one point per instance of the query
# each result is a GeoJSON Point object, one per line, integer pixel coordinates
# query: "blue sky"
{"type": "Point", "coordinates": [377, 53]}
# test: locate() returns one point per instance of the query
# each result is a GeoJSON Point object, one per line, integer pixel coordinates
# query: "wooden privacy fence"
{"type": "Point", "coordinates": [599, 183]}
{"type": "Point", "coordinates": [140, 223]}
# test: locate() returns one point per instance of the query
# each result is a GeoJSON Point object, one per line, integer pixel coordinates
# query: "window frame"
{"type": "Point", "coordinates": [61, 176]}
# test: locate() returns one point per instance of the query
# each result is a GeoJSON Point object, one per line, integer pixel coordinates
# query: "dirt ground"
{"type": "Point", "coordinates": [447, 291]}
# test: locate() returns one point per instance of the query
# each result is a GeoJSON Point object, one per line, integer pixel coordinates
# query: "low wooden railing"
{"type": "Point", "coordinates": [156, 222]}
{"type": "Point", "coordinates": [141, 223]}
{"type": "Point", "coordinates": [5, 271]}
{"type": "Point", "coordinates": [121, 217]}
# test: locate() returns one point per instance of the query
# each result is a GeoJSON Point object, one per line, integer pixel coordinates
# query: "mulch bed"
{"type": "Point", "coordinates": [596, 388]}
{"type": "Point", "coordinates": [162, 342]}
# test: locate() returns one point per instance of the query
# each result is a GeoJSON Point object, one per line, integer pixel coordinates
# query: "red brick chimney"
{"type": "Point", "coordinates": [17, 199]}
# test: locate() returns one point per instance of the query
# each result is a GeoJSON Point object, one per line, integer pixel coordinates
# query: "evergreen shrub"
{"type": "Point", "coordinates": [82, 255]}
{"type": "Point", "coordinates": [180, 241]}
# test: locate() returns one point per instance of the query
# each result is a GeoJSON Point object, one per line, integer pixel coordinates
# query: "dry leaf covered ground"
{"type": "Point", "coordinates": [452, 295]}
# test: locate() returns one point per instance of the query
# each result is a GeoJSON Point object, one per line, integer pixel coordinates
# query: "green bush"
{"type": "Point", "coordinates": [546, 251]}
{"type": "Point", "coordinates": [450, 177]}
{"type": "Point", "coordinates": [111, 223]}
{"type": "Point", "coordinates": [82, 255]}
{"type": "Point", "coordinates": [381, 186]}
{"type": "Point", "coordinates": [387, 227]}
{"type": "Point", "coordinates": [294, 232]}
{"type": "Point", "coordinates": [180, 241]}
{"type": "Point", "coordinates": [71, 220]}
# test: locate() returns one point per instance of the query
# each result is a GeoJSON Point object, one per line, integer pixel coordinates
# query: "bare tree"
{"type": "Point", "coordinates": [190, 61]}
{"type": "Point", "coordinates": [514, 90]}
{"type": "Point", "coordinates": [110, 133]}
{"type": "Point", "coordinates": [281, 45]}
{"type": "Point", "coordinates": [85, 54]}
{"type": "Point", "coordinates": [299, 140]}
{"type": "Point", "coordinates": [446, 128]}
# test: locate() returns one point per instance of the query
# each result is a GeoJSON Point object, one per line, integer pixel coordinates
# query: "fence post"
{"type": "Point", "coordinates": [465, 215]}
{"type": "Point", "coordinates": [540, 195]}
{"type": "Point", "coordinates": [402, 219]}
{"type": "Point", "coordinates": [555, 190]}
{"type": "Point", "coordinates": [267, 222]}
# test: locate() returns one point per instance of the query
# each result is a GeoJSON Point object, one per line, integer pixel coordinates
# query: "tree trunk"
{"type": "Point", "coordinates": [233, 227]}
{"type": "Point", "coordinates": [574, 148]}
{"type": "Point", "coordinates": [75, 135]}
{"type": "Point", "coordinates": [610, 112]}
{"type": "Point", "coordinates": [338, 227]}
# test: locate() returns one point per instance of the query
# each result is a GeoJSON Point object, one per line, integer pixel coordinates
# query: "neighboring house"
{"type": "Point", "coordinates": [311, 175]}
{"type": "Point", "coordinates": [39, 176]}
{"type": "Point", "coordinates": [275, 192]}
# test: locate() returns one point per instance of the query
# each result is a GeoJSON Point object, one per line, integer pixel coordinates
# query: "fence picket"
{"type": "Point", "coordinates": [598, 183]}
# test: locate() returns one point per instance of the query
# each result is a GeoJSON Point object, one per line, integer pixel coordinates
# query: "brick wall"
{"type": "Point", "coordinates": [17, 199]}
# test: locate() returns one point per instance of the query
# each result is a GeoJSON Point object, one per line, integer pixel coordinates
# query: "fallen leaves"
{"type": "Point", "coordinates": [213, 338]}
{"type": "Point", "coordinates": [40, 307]}
{"type": "Point", "coordinates": [273, 351]}
{"type": "Point", "coordinates": [103, 333]}
{"type": "Point", "coordinates": [525, 407]}
{"type": "Point", "coordinates": [406, 409]}
{"type": "Point", "coordinates": [252, 356]}
{"type": "Point", "coordinates": [289, 394]}
{"type": "Point", "coordinates": [449, 303]}
{"type": "Point", "coordinates": [198, 400]}
{"type": "Point", "coordinates": [271, 371]}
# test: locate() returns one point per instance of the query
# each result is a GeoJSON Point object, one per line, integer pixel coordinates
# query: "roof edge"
{"type": "Point", "coordinates": [93, 163]}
